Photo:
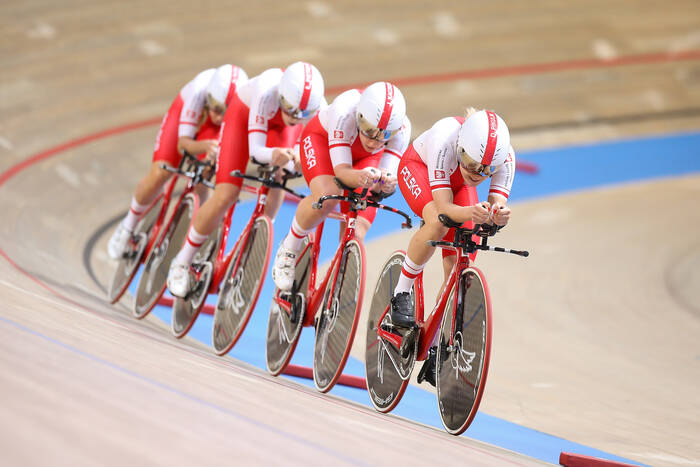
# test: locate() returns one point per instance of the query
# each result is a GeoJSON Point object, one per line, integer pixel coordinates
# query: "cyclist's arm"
{"type": "Point", "coordinates": [186, 143]}
{"type": "Point", "coordinates": [353, 177]}
{"type": "Point", "coordinates": [444, 203]}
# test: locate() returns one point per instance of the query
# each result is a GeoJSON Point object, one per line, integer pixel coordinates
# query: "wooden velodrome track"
{"type": "Point", "coordinates": [582, 351]}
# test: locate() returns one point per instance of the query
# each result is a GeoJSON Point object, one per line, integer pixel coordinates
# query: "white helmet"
{"type": "Point", "coordinates": [301, 90]}
{"type": "Point", "coordinates": [381, 111]}
{"type": "Point", "coordinates": [223, 84]}
{"type": "Point", "coordinates": [483, 142]}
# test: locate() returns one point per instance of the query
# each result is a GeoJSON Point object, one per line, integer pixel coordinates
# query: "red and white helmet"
{"type": "Point", "coordinates": [483, 142]}
{"type": "Point", "coordinates": [381, 111]}
{"type": "Point", "coordinates": [301, 90]}
{"type": "Point", "coordinates": [223, 84]}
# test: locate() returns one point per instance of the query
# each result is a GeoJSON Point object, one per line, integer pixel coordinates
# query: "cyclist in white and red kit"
{"type": "Point", "coordinates": [438, 175]}
{"type": "Point", "coordinates": [191, 124]}
{"type": "Point", "coordinates": [263, 123]}
{"type": "Point", "coordinates": [360, 139]}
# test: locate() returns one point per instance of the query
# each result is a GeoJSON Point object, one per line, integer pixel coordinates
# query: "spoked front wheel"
{"type": "Point", "coordinates": [186, 310]}
{"type": "Point", "coordinates": [387, 372]}
{"type": "Point", "coordinates": [155, 272]}
{"type": "Point", "coordinates": [241, 285]}
{"type": "Point", "coordinates": [283, 327]}
{"type": "Point", "coordinates": [129, 263]}
{"type": "Point", "coordinates": [337, 320]}
{"type": "Point", "coordinates": [463, 352]}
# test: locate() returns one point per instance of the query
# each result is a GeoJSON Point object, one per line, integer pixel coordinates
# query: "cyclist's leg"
{"type": "Point", "coordinates": [318, 173]}
{"type": "Point", "coordinates": [165, 152]}
{"type": "Point", "coordinates": [233, 155]}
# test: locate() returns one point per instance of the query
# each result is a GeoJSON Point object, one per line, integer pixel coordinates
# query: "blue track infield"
{"type": "Point", "coordinates": [561, 170]}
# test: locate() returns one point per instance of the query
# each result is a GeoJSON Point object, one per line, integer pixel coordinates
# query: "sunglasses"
{"type": "Point", "coordinates": [294, 112]}
{"type": "Point", "coordinates": [372, 132]}
{"type": "Point", "coordinates": [474, 167]}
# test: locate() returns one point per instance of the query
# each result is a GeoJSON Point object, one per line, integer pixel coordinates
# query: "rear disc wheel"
{"type": "Point", "coordinates": [155, 272]}
{"type": "Point", "coordinates": [463, 354]}
{"type": "Point", "coordinates": [337, 321]}
{"type": "Point", "coordinates": [241, 286]}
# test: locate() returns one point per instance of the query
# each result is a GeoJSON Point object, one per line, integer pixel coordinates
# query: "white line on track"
{"type": "Point", "coordinates": [151, 47]}
{"type": "Point", "coordinates": [386, 36]}
{"type": "Point", "coordinates": [68, 175]}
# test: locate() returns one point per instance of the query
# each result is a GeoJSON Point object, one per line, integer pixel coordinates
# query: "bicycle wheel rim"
{"type": "Point", "coordinates": [384, 382]}
{"type": "Point", "coordinates": [127, 267]}
{"type": "Point", "coordinates": [155, 273]}
{"type": "Point", "coordinates": [282, 335]}
{"type": "Point", "coordinates": [241, 288]}
{"type": "Point", "coordinates": [337, 322]}
{"type": "Point", "coordinates": [462, 367]}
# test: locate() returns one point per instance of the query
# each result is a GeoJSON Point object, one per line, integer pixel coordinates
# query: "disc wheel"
{"type": "Point", "coordinates": [283, 331]}
{"type": "Point", "coordinates": [155, 272]}
{"type": "Point", "coordinates": [129, 263]}
{"type": "Point", "coordinates": [337, 320]}
{"type": "Point", "coordinates": [185, 310]}
{"type": "Point", "coordinates": [387, 372]}
{"type": "Point", "coordinates": [241, 285]}
{"type": "Point", "coordinates": [463, 354]}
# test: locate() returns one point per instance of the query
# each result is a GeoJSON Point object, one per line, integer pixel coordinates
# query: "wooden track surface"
{"type": "Point", "coordinates": [84, 383]}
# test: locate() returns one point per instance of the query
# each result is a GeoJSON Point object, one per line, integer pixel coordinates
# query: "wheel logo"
{"type": "Point", "coordinates": [460, 359]}
{"type": "Point", "coordinates": [234, 299]}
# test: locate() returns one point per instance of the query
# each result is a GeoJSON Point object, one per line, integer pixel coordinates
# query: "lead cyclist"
{"type": "Point", "coordinates": [438, 174]}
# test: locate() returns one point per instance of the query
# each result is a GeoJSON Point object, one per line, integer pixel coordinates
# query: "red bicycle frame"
{"type": "Point", "coordinates": [428, 328]}
{"type": "Point", "coordinates": [313, 293]}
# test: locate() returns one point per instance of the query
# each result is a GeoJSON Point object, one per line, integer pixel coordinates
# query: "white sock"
{"type": "Point", "coordinates": [295, 238]}
{"type": "Point", "coordinates": [192, 244]}
{"type": "Point", "coordinates": [136, 210]}
{"type": "Point", "coordinates": [409, 272]}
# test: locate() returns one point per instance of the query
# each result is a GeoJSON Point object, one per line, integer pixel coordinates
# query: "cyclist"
{"type": "Point", "coordinates": [264, 123]}
{"type": "Point", "coordinates": [360, 139]}
{"type": "Point", "coordinates": [192, 125]}
{"type": "Point", "coordinates": [429, 179]}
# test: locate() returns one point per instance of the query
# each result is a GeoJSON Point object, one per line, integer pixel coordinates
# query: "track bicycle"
{"type": "Point", "coordinates": [244, 277]}
{"type": "Point", "coordinates": [331, 306]}
{"type": "Point", "coordinates": [462, 317]}
{"type": "Point", "coordinates": [146, 236]}
{"type": "Point", "coordinates": [244, 268]}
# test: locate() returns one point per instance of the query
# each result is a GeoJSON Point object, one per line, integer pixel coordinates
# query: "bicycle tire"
{"type": "Point", "coordinates": [282, 333]}
{"type": "Point", "coordinates": [129, 264]}
{"type": "Point", "coordinates": [462, 366]}
{"type": "Point", "coordinates": [152, 284]}
{"type": "Point", "coordinates": [186, 310]}
{"type": "Point", "coordinates": [240, 289]}
{"type": "Point", "coordinates": [386, 371]}
{"type": "Point", "coordinates": [337, 320]}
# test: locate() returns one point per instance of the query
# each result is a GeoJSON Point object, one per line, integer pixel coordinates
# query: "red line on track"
{"type": "Point", "coordinates": [407, 81]}
{"type": "Point", "coordinates": [535, 68]}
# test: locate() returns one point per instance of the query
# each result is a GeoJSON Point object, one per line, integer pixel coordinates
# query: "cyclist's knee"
{"type": "Point", "coordinates": [225, 195]}
{"type": "Point", "coordinates": [435, 228]}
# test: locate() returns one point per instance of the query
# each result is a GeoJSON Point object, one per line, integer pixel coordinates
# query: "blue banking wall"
{"type": "Point", "coordinates": [561, 170]}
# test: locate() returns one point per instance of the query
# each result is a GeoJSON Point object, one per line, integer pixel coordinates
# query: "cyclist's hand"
{"type": "Point", "coordinates": [211, 148]}
{"type": "Point", "coordinates": [480, 213]}
{"type": "Point", "coordinates": [367, 177]}
{"type": "Point", "coordinates": [500, 214]}
{"type": "Point", "coordinates": [280, 156]}
{"type": "Point", "coordinates": [389, 182]}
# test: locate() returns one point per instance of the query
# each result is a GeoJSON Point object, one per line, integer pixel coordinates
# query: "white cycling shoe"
{"type": "Point", "coordinates": [117, 243]}
{"type": "Point", "coordinates": [283, 269]}
{"type": "Point", "coordinates": [179, 279]}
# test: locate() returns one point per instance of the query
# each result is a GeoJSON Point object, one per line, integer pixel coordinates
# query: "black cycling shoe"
{"type": "Point", "coordinates": [427, 371]}
{"type": "Point", "coordinates": [402, 310]}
